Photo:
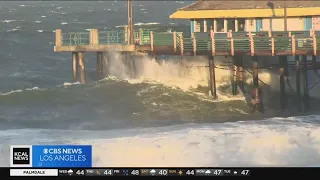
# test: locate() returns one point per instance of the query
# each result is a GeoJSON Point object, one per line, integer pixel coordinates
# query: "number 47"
{"type": "Point", "coordinates": [245, 172]}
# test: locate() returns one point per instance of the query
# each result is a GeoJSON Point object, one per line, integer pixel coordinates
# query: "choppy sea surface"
{"type": "Point", "coordinates": [165, 117]}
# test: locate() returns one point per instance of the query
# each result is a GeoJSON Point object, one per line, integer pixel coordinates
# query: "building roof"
{"type": "Point", "coordinates": [253, 8]}
{"type": "Point", "coordinates": [253, 4]}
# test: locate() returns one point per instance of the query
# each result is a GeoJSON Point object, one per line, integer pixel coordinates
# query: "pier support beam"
{"type": "Point", "coordinates": [305, 84]}
{"type": "Point", "coordinates": [240, 64]}
{"type": "Point", "coordinates": [83, 77]}
{"type": "Point", "coordinates": [105, 64]}
{"type": "Point", "coordinates": [212, 75]}
{"type": "Point", "coordinates": [235, 76]}
{"type": "Point", "coordinates": [283, 98]}
{"type": "Point", "coordinates": [132, 65]}
{"type": "Point", "coordinates": [298, 84]}
{"type": "Point", "coordinates": [314, 63]}
{"type": "Point", "coordinates": [75, 66]}
{"type": "Point", "coordinates": [99, 65]}
{"type": "Point", "coordinates": [256, 96]}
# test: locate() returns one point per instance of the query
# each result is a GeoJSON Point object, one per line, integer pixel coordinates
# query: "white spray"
{"type": "Point", "coordinates": [186, 75]}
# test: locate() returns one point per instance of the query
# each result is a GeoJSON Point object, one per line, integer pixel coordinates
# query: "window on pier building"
{"type": "Point", "coordinates": [197, 27]}
{"type": "Point", "coordinates": [231, 24]}
{"type": "Point", "coordinates": [210, 25]}
{"type": "Point", "coordinates": [201, 24]}
{"type": "Point", "coordinates": [220, 25]}
{"type": "Point", "coordinates": [241, 24]}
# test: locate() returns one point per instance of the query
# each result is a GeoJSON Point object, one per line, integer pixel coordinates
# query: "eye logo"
{"type": "Point", "coordinates": [45, 151]}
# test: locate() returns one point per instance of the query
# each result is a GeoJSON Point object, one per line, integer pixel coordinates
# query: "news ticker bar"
{"type": "Point", "coordinates": [130, 172]}
{"type": "Point", "coordinates": [192, 171]}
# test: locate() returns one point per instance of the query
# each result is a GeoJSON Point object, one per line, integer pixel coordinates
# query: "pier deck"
{"type": "Point", "coordinates": [264, 43]}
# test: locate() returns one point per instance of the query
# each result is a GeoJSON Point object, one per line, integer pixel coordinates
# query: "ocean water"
{"type": "Point", "coordinates": [164, 117]}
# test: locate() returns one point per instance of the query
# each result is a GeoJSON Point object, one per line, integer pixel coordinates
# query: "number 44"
{"type": "Point", "coordinates": [80, 172]}
{"type": "Point", "coordinates": [190, 172]}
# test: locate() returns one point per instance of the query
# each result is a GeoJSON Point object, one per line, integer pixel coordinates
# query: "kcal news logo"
{"type": "Point", "coordinates": [20, 156]}
{"type": "Point", "coordinates": [51, 156]}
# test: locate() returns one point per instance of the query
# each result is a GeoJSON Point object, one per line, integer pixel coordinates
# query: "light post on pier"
{"type": "Point", "coordinates": [130, 24]}
{"type": "Point", "coordinates": [285, 15]}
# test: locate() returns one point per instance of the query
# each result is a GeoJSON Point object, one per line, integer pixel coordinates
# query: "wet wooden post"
{"type": "Point", "coordinates": [105, 70]}
{"type": "Point", "coordinates": [282, 64]}
{"type": "Point", "coordinates": [134, 69]}
{"type": "Point", "coordinates": [256, 98]}
{"type": "Point", "coordinates": [175, 41]}
{"type": "Point", "coordinates": [181, 48]}
{"type": "Point", "coordinates": [151, 41]}
{"type": "Point", "coordinates": [181, 45]}
{"type": "Point", "coordinates": [235, 65]}
{"type": "Point", "coordinates": [94, 41]}
{"type": "Point", "coordinates": [75, 66]}
{"type": "Point", "coordinates": [212, 80]}
{"type": "Point", "coordinates": [194, 44]}
{"type": "Point", "coordinates": [241, 84]}
{"type": "Point", "coordinates": [99, 65]}
{"type": "Point", "coordinates": [314, 39]}
{"type": "Point", "coordinates": [235, 76]}
{"type": "Point", "coordinates": [212, 70]}
{"type": "Point", "coordinates": [131, 64]}
{"type": "Point", "coordinates": [298, 85]}
{"type": "Point", "coordinates": [305, 84]}
{"type": "Point", "coordinates": [314, 63]}
{"type": "Point", "coordinates": [83, 78]}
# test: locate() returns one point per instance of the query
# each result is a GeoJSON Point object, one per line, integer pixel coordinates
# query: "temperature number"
{"type": "Point", "coordinates": [245, 172]}
{"type": "Point", "coordinates": [107, 172]}
{"type": "Point", "coordinates": [190, 172]}
{"type": "Point", "coordinates": [217, 172]}
{"type": "Point", "coordinates": [163, 172]}
{"type": "Point", "coordinates": [135, 172]}
{"type": "Point", "coordinates": [80, 172]}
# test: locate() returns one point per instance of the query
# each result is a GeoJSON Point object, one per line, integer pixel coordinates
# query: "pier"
{"type": "Point", "coordinates": [235, 44]}
{"type": "Point", "coordinates": [231, 40]}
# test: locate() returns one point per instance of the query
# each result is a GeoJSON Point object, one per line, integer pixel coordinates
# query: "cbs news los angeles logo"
{"type": "Point", "coordinates": [21, 156]}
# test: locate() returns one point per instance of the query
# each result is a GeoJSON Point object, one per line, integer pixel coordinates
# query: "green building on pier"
{"type": "Point", "coordinates": [253, 16]}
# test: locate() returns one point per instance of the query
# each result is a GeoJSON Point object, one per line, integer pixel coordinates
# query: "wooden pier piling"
{"type": "Point", "coordinates": [212, 76]}
{"type": "Point", "coordinates": [283, 98]}
{"type": "Point", "coordinates": [240, 64]}
{"type": "Point", "coordinates": [305, 84]}
{"type": "Point", "coordinates": [75, 66]}
{"type": "Point", "coordinates": [83, 77]}
{"type": "Point", "coordinates": [235, 76]}
{"type": "Point", "coordinates": [99, 65]}
{"type": "Point", "coordinates": [314, 63]}
{"type": "Point", "coordinates": [105, 64]}
{"type": "Point", "coordinates": [298, 84]}
{"type": "Point", "coordinates": [256, 101]}
{"type": "Point", "coordinates": [133, 67]}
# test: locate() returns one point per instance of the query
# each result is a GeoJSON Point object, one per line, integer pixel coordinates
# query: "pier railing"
{"type": "Point", "coordinates": [228, 43]}
{"type": "Point", "coordinates": [103, 37]}
{"type": "Point", "coordinates": [245, 43]}
{"type": "Point", "coordinates": [75, 38]}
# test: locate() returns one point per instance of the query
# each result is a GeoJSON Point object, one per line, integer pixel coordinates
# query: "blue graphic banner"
{"type": "Point", "coordinates": [61, 156]}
